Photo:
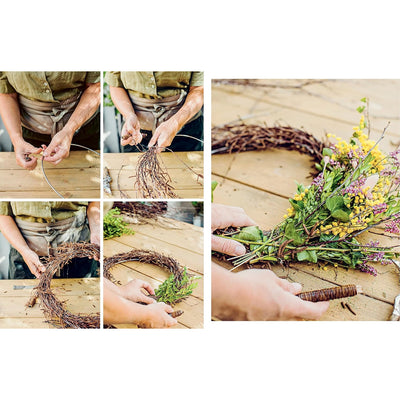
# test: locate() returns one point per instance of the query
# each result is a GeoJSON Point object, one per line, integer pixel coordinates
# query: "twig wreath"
{"type": "Point", "coordinates": [177, 287]}
{"type": "Point", "coordinates": [54, 309]}
{"type": "Point", "coordinates": [355, 189]}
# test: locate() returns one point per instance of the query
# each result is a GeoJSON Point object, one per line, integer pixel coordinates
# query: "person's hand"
{"type": "Point", "coordinates": [58, 149]}
{"type": "Point", "coordinates": [133, 291]}
{"type": "Point", "coordinates": [156, 316]}
{"type": "Point", "coordinates": [130, 133]}
{"type": "Point", "coordinates": [95, 239]}
{"type": "Point", "coordinates": [164, 134]}
{"type": "Point", "coordinates": [33, 262]}
{"type": "Point", "coordinates": [22, 149]}
{"type": "Point", "coordinates": [259, 295]}
{"type": "Point", "coordinates": [222, 217]}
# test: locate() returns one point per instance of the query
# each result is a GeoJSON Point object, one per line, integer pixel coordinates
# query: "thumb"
{"type": "Point", "coordinates": [227, 246]}
{"type": "Point", "coordinates": [293, 288]}
{"type": "Point", "coordinates": [154, 139]}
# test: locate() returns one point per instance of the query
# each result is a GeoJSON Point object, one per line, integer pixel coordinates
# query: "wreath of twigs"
{"type": "Point", "coordinates": [53, 308]}
{"type": "Point", "coordinates": [237, 138]}
{"type": "Point", "coordinates": [143, 256]}
{"type": "Point", "coordinates": [143, 210]}
{"type": "Point", "coordinates": [152, 179]}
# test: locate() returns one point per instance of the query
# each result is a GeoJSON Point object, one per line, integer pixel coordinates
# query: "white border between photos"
{"type": "Point", "coordinates": [309, 39]}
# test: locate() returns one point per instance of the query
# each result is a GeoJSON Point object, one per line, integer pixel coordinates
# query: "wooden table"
{"type": "Point", "coordinates": [187, 184]}
{"type": "Point", "coordinates": [78, 176]}
{"type": "Point", "coordinates": [261, 182]}
{"type": "Point", "coordinates": [173, 238]}
{"type": "Point", "coordinates": [82, 296]}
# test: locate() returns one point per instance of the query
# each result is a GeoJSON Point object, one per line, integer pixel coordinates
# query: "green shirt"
{"type": "Point", "coordinates": [46, 86]}
{"type": "Point", "coordinates": [41, 211]}
{"type": "Point", "coordinates": [154, 85]}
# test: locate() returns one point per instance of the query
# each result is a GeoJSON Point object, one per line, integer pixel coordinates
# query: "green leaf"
{"type": "Point", "coordinates": [214, 184]}
{"type": "Point", "coordinates": [364, 100]}
{"type": "Point", "coordinates": [327, 152]}
{"type": "Point", "coordinates": [291, 233]}
{"type": "Point", "coordinates": [334, 203]}
{"type": "Point", "coordinates": [360, 109]}
{"type": "Point", "coordinates": [308, 255]}
{"type": "Point", "coordinates": [249, 233]}
{"type": "Point", "coordinates": [318, 167]}
{"type": "Point", "coordinates": [341, 215]}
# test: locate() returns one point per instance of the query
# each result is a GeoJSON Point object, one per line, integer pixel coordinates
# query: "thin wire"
{"type": "Point", "coordinates": [47, 179]}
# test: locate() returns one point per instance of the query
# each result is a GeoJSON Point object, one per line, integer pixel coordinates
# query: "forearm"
{"type": "Point", "coordinates": [93, 214]}
{"type": "Point", "coordinates": [118, 310]}
{"type": "Point", "coordinates": [192, 105]}
{"type": "Point", "coordinates": [87, 106]}
{"type": "Point", "coordinates": [10, 231]}
{"type": "Point", "coordinates": [10, 114]}
{"type": "Point", "coordinates": [225, 291]}
{"type": "Point", "coordinates": [122, 101]}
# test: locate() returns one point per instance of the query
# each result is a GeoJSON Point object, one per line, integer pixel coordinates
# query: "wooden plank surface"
{"type": "Point", "coordinates": [261, 182]}
{"type": "Point", "coordinates": [78, 176]}
{"type": "Point", "coordinates": [184, 242]}
{"type": "Point", "coordinates": [81, 296]}
{"type": "Point", "coordinates": [186, 183]}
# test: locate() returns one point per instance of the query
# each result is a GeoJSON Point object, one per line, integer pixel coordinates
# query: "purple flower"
{"type": "Point", "coordinates": [379, 208]}
{"type": "Point", "coordinates": [364, 267]}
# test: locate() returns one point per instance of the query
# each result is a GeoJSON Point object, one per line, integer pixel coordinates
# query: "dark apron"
{"type": "Point", "coordinates": [153, 112]}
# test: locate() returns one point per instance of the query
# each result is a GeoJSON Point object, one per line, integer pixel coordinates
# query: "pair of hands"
{"type": "Point", "coordinates": [163, 135]}
{"type": "Point", "coordinates": [252, 294]}
{"type": "Point", "coordinates": [34, 264]}
{"type": "Point", "coordinates": [57, 150]}
{"type": "Point", "coordinates": [155, 315]}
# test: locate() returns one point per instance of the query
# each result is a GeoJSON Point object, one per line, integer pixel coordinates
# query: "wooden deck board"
{"type": "Point", "coordinates": [186, 183]}
{"type": "Point", "coordinates": [185, 244]}
{"type": "Point", "coordinates": [78, 176]}
{"type": "Point", "coordinates": [81, 296]}
{"type": "Point", "coordinates": [261, 182]}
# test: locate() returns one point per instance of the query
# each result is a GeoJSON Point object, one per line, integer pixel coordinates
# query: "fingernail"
{"type": "Point", "coordinates": [240, 250]}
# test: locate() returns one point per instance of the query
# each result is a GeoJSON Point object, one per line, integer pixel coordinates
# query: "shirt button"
{"type": "Point", "coordinates": [47, 90]}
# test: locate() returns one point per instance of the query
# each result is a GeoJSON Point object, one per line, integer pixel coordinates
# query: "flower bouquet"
{"type": "Point", "coordinates": [356, 190]}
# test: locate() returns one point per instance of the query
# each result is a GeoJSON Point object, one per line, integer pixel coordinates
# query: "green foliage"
{"type": "Point", "coordinates": [249, 233]}
{"type": "Point", "coordinates": [171, 292]}
{"type": "Point", "coordinates": [214, 184]}
{"type": "Point", "coordinates": [114, 226]}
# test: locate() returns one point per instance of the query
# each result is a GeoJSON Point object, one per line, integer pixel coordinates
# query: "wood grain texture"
{"type": "Point", "coordinates": [186, 183]}
{"type": "Point", "coordinates": [81, 296]}
{"type": "Point", "coordinates": [78, 176]}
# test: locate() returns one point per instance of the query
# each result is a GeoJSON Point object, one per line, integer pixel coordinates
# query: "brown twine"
{"type": "Point", "coordinates": [236, 138]}
{"type": "Point", "coordinates": [54, 309]}
{"type": "Point", "coordinates": [143, 256]}
{"type": "Point", "coordinates": [139, 209]}
{"type": "Point", "coordinates": [152, 179]}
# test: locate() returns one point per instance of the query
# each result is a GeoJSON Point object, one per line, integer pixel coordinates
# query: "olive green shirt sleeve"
{"type": "Point", "coordinates": [197, 79]}
{"type": "Point", "coordinates": [42, 211]}
{"type": "Point", "coordinates": [113, 78]}
{"type": "Point", "coordinates": [47, 86]}
{"type": "Point", "coordinates": [5, 86]}
{"type": "Point", "coordinates": [5, 208]}
{"type": "Point", "coordinates": [92, 77]}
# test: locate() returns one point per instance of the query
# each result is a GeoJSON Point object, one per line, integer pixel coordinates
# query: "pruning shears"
{"type": "Point", "coordinates": [396, 310]}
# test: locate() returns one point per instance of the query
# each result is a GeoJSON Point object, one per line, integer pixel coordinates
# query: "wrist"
{"type": "Point", "coordinates": [17, 140]}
